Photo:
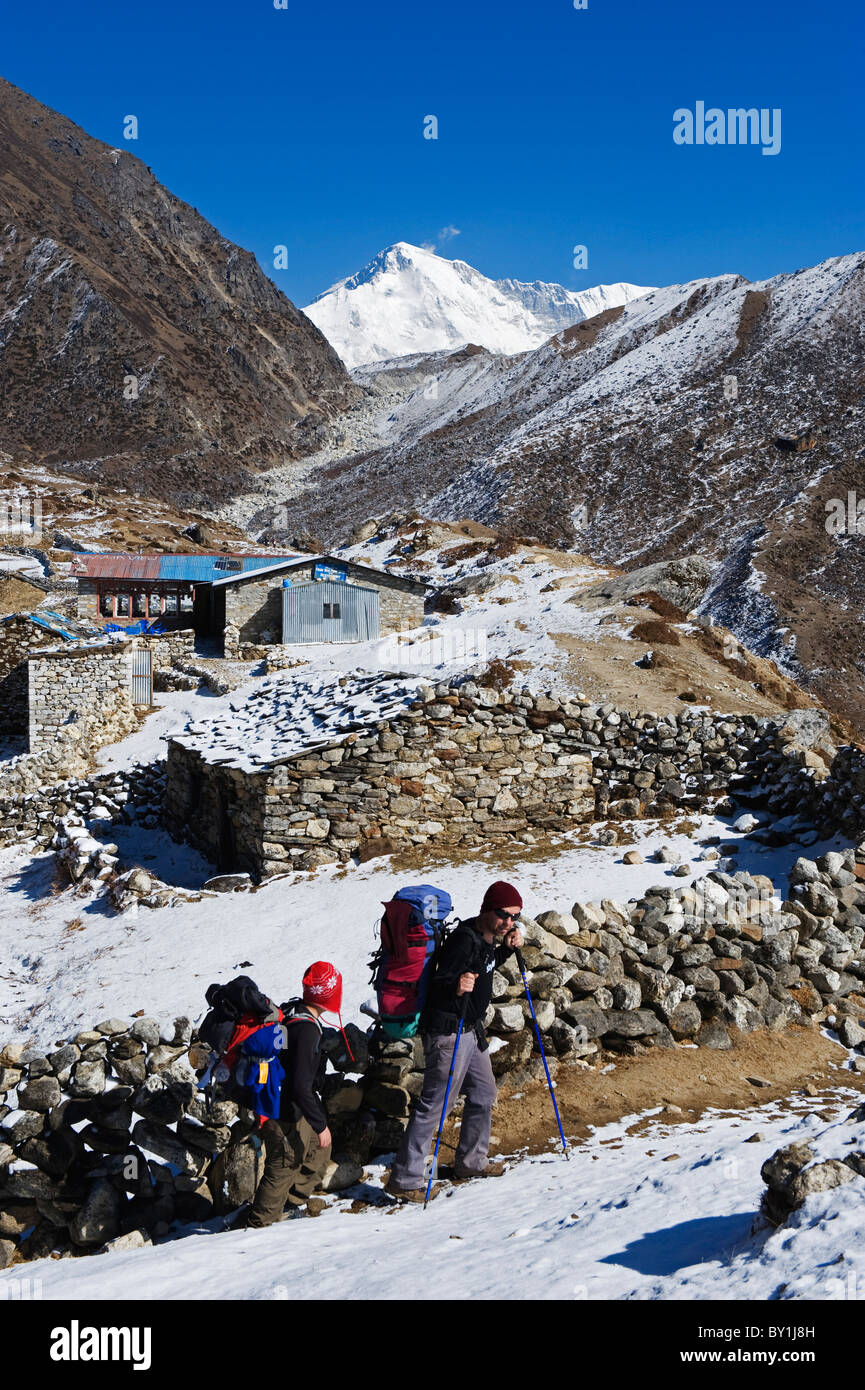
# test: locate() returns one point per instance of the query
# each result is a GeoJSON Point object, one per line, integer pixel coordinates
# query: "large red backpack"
{"type": "Point", "coordinates": [412, 931]}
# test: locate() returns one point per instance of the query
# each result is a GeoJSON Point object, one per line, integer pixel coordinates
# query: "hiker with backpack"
{"type": "Point", "coordinates": [455, 1047]}
{"type": "Point", "coordinates": [270, 1060]}
{"type": "Point", "coordinates": [297, 1142]}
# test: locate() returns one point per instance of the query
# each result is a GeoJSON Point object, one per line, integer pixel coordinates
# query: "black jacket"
{"type": "Point", "coordinates": [304, 1065]}
{"type": "Point", "coordinates": [465, 949]}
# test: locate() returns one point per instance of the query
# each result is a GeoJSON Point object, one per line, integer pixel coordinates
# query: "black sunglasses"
{"type": "Point", "coordinates": [506, 916]}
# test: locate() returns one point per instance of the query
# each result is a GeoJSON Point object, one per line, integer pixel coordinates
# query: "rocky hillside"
{"type": "Point", "coordinates": [134, 339]}
{"type": "Point", "coordinates": [718, 417]}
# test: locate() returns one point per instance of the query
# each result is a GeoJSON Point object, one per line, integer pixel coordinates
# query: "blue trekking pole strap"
{"type": "Point", "coordinates": [433, 1167]}
{"type": "Point", "coordinates": [522, 967]}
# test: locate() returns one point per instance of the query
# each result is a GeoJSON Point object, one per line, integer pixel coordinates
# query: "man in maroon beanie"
{"type": "Point", "coordinates": [461, 988]}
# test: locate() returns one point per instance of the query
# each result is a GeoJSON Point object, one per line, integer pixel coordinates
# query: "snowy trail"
{"type": "Point", "coordinates": [612, 1223]}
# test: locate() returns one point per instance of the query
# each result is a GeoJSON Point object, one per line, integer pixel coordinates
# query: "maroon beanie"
{"type": "Point", "coordinates": [501, 895]}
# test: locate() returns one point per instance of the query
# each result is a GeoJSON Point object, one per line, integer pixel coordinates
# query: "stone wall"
{"type": "Point", "coordinates": [171, 648]}
{"type": "Point", "coordinates": [38, 790]}
{"type": "Point", "coordinates": [89, 686]}
{"type": "Point", "coordinates": [465, 765]}
{"type": "Point", "coordinates": [18, 637]}
{"type": "Point", "coordinates": [254, 608]}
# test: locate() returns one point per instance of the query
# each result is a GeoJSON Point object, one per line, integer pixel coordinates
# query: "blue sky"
{"type": "Point", "coordinates": [304, 127]}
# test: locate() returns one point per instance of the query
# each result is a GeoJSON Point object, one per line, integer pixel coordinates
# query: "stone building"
{"type": "Point", "coordinates": [367, 763]}
{"type": "Point", "coordinates": [303, 774]}
{"type": "Point", "coordinates": [238, 597]}
{"type": "Point", "coordinates": [21, 634]}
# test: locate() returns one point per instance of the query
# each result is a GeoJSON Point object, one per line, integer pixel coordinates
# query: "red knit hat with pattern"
{"type": "Point", "coordinates": [502, 895]}
{"type": "Point", "coordinates": [322, 985]}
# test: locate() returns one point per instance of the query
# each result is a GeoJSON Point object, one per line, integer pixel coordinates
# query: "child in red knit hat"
{"type": "Point", "coordinates": [297, 1145]}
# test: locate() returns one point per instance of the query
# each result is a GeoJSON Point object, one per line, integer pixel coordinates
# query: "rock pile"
{"type": "Point", "coordinates": [797, 1171]}
{"type": "Point", "coordinates": [798, 771]}
{"type": "Point", "coordinates": [109, 1141]}
{"type": "Point", "coordinates": [33, 811]}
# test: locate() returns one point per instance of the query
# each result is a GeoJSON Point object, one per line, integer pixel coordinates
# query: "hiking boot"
{"type": "Point", "coordinates": [313, 1206]}
{"type": "Point", "coordinates": [492, 1170]}
{"type": "Point", "coordinates": [411, 1194]}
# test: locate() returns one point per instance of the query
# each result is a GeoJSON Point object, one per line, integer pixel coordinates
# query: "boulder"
{"type": "Point", "coordinates": [508, 1018]}
{"type": "Point", "coordinates": [109, 1026]}
{"type": "Point", "coordinates": [338, 1176]}
{"type": "Point", "coordinates": [40, 1094]}
{"type": "Point", "coordinates": [242, 1170]}
{"type": "Point", "coordinates": [147, 1030]}
{"type": "Point", "coordinates": [820, 1177]}
{"type": "Point", "coordinates": [712, 1033]}
{"type": "Point", "coordinates": [98, 1219]}
{"type": "Point", "coordinates": [87, 1078]}
{"type": "Point", "coordinates": [516, 1051]}
{"type": "Point", "coordinates": [388, 1099]}
{"type": "Point", "coordinates": [681, 582]}
{"type": "Point", "coordinates": [685, 1020]}
{"type": "Point", "coordinates": [228, 883]}
{"type": "Point", "coordinates": [158, 1139]}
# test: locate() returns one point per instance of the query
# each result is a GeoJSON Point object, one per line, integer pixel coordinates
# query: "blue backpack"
{"type": "Point", "coordinates": [412, 931]}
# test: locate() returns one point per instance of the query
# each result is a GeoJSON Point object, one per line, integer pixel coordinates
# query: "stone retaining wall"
{"type": "Point", "coordinates": [33, 801]}
{"type": "Point", "coordinates": [18, 638]}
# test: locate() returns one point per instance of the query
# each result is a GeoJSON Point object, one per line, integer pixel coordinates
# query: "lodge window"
{"type": "Point", "coordinates": [331, 610]}
{"type": "Point", "coordinates": [122, 606]}
{"type": "Point", "coordinates": [170, 603]}
{"type": "Point", "coordinates": [106, 605]}
{"type": "Point", "coordinates": [139, 605]}
{"type": "Point", "coordinates": [154, 605]}
{"type": "Point", "coordinates": [186, 603]}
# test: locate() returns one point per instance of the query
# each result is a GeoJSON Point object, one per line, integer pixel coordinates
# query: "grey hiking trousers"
{"type": "Point", "coordinates": [473, 1076]}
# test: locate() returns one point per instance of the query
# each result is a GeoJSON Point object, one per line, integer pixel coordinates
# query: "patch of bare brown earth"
{"type": "Point", "coordinates": [692, 1079]}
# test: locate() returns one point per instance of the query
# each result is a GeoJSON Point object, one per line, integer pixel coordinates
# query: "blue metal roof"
{"type": "Point", "coordinates": [203, 569]}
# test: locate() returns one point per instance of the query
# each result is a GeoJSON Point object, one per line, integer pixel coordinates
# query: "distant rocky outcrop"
{"type": "Point", "coordinates": [135, 340]}
{"type": "Point", "coordinates": [680, 583]}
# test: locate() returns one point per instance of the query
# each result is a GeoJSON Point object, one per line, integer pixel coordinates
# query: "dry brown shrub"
{"type": "Point", "coordinates": [655, 631]}
{"type": "Point", "coordinates": [498, 675]}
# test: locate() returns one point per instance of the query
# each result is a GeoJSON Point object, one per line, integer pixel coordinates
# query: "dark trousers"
{"type": "Point", "coordinates": [294, 1165]}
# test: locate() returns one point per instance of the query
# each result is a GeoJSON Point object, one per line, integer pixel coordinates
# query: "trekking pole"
{"type": "Point", "coordinates": [432, 1170]}
{"type": "Point", "coordinates": [522, 965]}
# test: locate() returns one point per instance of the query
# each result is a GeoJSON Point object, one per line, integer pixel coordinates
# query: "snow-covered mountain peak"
{"type": "Point", "coordinates": [407, 300]}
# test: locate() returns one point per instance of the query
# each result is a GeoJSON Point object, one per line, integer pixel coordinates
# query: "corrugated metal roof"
{"type": "Point", "coordinates": [117, 566]}
{"type": "Point", "coordinates": [189, 569]}
{"type": "Point", "coordinates": [288, 562]}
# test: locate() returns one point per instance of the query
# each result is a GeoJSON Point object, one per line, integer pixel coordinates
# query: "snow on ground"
{"type": "Point", "coordinates": [173, 711]}
{"type": "Point", "coordinates": [615, 1221]}
{"type": "Point", "coordinates": [70, 961]}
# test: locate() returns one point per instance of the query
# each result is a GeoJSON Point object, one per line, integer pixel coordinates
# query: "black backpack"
{"type": "Point", "coordinates": [229, 1003]}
